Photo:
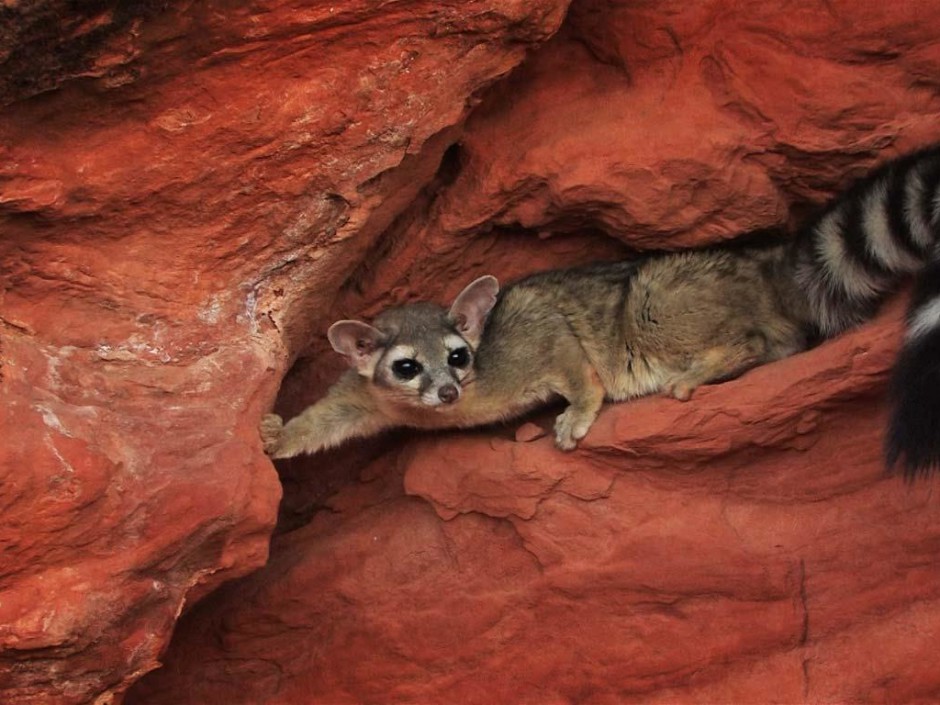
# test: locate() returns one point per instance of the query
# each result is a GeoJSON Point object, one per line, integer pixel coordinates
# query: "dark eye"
{"type": "Point", "coordinates": [458, 358]}
{"type": "Point", "coordinates": [406, 369]}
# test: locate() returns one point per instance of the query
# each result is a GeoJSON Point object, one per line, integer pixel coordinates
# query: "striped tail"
{"type": "Point", "coordinates": [853, 255]}
{"type": "Point", "coordinates": [914, 434]}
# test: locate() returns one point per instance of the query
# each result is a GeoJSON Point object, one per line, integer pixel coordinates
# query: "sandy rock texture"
{"type": "Point", "coordinates": [744, 547]}
{"type": "Point", "coordinates": [184, 186]}
{"type": "Point", "coordinates": [190, 192]}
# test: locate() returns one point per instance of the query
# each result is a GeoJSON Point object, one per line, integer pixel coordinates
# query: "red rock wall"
{"type": "Point", "coordinates": [190, 192]}
{"type": "Point", "coordinates": [183, 188]}
{"type": "Point", "coordinates": [745, 547]}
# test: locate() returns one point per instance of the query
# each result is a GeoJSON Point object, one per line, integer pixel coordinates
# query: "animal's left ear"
{"type": "Point", "coordinates": [472, 306]}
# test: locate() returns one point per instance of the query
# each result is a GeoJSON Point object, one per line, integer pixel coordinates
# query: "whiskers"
{"type": "Point", "coordinates": [469, 380]}
{"type": "Point", "coordinates": [409, 397]}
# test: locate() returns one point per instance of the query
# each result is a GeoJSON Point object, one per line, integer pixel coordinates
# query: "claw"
{"type": "Point", "coordinates": [270, 429]}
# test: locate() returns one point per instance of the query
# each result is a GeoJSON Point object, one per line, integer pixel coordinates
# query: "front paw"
{"type": "Point", "coordinates": [272, 426]}
{"type": "Point", "coordinates": [570, 427]}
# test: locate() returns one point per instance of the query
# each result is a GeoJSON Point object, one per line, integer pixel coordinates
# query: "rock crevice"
{"type": "Point", "coordinates": [191, 192]}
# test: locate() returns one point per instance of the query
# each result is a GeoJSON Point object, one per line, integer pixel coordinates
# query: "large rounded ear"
{"type": "Point", "coordinates": [471, 307]}
{"type": "Point", "coordinates": [358, 342]}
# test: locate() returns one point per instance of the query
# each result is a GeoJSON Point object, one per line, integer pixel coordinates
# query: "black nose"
{"type": "Point", "coordinates": [448, 393]}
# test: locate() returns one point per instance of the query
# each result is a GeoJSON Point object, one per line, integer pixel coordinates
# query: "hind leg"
{"type": "Point", "coordinates": [718, 363]}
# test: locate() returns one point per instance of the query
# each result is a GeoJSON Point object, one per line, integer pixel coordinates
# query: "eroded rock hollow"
{"type": "Point", "coordinates": [191, 192]}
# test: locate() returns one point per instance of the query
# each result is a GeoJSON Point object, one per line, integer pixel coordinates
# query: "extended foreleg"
{"type": "Point", "coordinates": [585, 396]}
{"type": "Point", "coordinates": [338, 417]}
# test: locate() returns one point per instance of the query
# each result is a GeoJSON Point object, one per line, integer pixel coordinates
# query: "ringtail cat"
{"type": "Point", "coordinates": [667, 322]}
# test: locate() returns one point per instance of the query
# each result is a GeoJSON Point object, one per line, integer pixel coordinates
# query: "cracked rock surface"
{"type": "Point", "coordinates": [190, 192]}
{"type": "Point", "coordinates": [181, 185]}
{"type": "Point", "coordinates": [743, 547]}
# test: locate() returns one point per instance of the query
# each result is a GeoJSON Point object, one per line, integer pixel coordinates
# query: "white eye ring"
{"type": "Point", "coordinates": [459, 357]}
{"type": "Point", "coordinates": [406, 369]}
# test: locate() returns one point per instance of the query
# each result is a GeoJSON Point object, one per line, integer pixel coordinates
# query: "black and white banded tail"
{"type": "Point", "coordinates": [855, 253]}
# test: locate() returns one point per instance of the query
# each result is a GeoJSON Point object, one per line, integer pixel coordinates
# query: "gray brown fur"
{"type": "Point", "coordinates": [665, 323]}
{"type": "Point", "coordinates": [603, 332]}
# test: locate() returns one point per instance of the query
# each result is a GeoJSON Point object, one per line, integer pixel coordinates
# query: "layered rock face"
{"type": "Point", "coordinates": [191, 192]}
{"type": "Point", "coordinates": [745, 547]}
{"type": "Point", "coordinates": [183, 189]}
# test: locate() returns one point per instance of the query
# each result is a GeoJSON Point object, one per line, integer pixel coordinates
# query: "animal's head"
{"type": "Point", "coordinates": [420, 354]}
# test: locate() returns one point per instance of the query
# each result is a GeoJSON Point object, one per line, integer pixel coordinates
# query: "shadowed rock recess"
{"type": "Point", "coordinates": [190, 192]}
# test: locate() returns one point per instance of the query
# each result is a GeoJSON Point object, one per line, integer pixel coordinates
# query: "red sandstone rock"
{"type": "Point", "coordinates": [209, 186]}
{"type": "Point", "coordinates": [530, 432]}
{"type": "Point", "coordinates": [176, 215]}
{"type": "Point", "coordinates": [660, 124]}
{"type": "Point", "coordinates": [744, 547]}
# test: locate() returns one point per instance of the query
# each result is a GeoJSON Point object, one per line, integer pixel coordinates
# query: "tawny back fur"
{"type": "Point", "coordinates": [608, 331]}
{"type": "Point", "coordinates": [664, 323]}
